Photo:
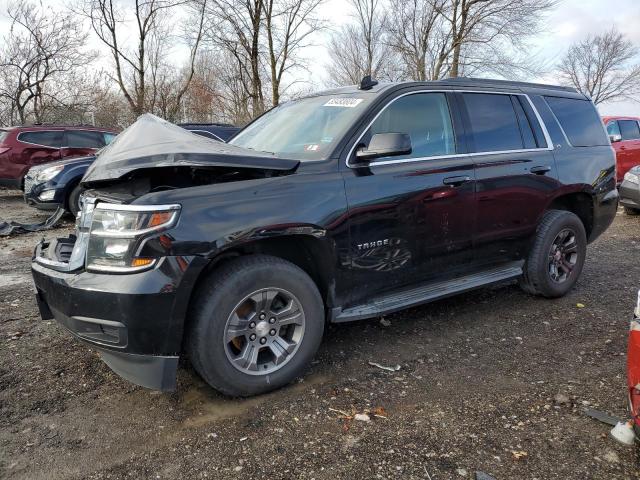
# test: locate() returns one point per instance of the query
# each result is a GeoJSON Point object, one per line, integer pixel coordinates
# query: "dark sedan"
{"type": "Point", "coordinates": [57, 184]}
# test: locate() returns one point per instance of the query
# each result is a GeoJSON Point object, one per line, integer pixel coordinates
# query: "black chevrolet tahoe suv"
{"type": "Point", "coordinates": [344, 205]}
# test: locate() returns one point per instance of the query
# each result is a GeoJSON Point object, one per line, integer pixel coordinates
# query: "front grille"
{"type": "Point", "coordinates": [29, 182]}
{"type": "Point", "coordinates": [75, 247]}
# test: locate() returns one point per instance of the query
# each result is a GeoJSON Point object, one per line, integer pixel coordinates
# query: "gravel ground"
{"type": "Point", "coordinates": [493, 380]}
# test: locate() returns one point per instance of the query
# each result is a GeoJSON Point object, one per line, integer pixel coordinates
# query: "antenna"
{"type": "Point", "coordinates": [367, 83]}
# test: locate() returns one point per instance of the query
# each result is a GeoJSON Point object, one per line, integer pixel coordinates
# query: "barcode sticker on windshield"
{"type": "Point", "coordinates": [343, 102]}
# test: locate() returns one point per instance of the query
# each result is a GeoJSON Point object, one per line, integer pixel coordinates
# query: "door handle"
{"type": "Point", "coordinates": [456, 181]}
{"type": "Point", "coordinates": [540, 170]}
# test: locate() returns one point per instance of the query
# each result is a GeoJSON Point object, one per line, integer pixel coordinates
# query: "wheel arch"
{"type": "Point", "coordinates": [579, 203]}
{"type": "Point", "coordinates": [314, 255]}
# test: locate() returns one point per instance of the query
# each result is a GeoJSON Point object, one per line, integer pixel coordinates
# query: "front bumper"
{"type": "Point", "coordinates": [629, 194]}
{"type": "Point", "coordinates": [135, 321]}
{"type": "Point", "coordinates": [33, 191]}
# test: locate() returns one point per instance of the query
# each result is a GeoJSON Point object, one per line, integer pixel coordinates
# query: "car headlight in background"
{"type": "Point", "coordinates": [116, 234]}
{"type": "Point", "coordinates": [47, 174]}
{"type": "Point", "coordinates": [632, 178]}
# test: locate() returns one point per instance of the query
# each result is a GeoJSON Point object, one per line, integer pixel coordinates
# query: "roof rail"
{"type": "Point", "coordinates": [489, 81]}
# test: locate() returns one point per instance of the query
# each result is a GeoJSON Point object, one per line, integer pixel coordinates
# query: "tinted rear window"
{"type": "Point", "coordinates": [629, 129]}
{"type": "Point", "coordinates": [494, 123]}
{"type": "Point", "coordinates": [579, 120]}
{"type": "Point", "coordinates": [84, 139]}
{"type": "Point", "coordinates": [52, 138]}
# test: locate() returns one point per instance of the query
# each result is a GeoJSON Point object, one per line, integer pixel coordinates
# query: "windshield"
{"type": "Point", "coordinates": [306, 129]}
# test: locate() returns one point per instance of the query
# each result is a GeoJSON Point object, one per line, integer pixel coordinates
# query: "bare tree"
{"type": "Point", "coordinates": [236, 27]}
{"type": "Point", "coordinates": [288, 26]}
{"type": "Point", "coordinates": [133, 66]}
{"type": "Point", "coordinates": [481, 24]}
{"type": "Point", "coordinates": [360, 48]}
{"type": "Point", "coordinates": [604, 67]}
{"type": "Point", "coordinates": [419, 34]}
{"type": "Point", "coordinates": [42, 47]}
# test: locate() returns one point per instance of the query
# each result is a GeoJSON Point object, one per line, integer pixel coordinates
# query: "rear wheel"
{"type": "Point", "coordinates": [255, 325]}
{"type": "Point", "coordinates": [557, 256]}
{"type": "Point", "coordinates": [631, 211]}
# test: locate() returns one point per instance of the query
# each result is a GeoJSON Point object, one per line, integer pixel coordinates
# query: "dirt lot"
{"type": "Point", "coordinates": [475, 391]}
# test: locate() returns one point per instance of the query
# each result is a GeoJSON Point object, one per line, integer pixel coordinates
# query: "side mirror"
{"type": "Point", "coordinates": [386, 145]}
{"type": "Point", "coordinates": [615, 137]}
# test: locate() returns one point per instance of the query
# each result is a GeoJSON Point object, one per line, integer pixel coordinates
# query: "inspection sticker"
{"type": "Point", "coordinates": [343, 102]}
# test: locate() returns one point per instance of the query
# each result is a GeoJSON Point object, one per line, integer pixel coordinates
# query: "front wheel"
{"type": "Point", "coordinates": [557, 255]}
{"type": "Point", "coordinates": [255, 325]}
{"type": "Point", "coordinates": [73, 201]}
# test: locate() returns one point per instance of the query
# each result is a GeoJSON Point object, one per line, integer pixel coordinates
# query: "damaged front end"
{"type": "Point", "coordinates": [116, 283]}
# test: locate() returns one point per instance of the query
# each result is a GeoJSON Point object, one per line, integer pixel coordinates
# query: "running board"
{"type": "Point", "coordinates": [428, 292]}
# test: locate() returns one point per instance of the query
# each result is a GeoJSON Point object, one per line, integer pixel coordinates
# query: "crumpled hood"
{"type": "Point", "coordinates": [154, 142]}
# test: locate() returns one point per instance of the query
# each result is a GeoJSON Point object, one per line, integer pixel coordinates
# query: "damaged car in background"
{"type": "Point", "coordinates": [340, 206]}
{"type": "Point", "coordinates": [57, 184]}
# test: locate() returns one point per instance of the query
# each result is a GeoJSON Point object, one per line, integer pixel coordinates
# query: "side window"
{"type": "Point", "coordinates": [108, 137]}
{"type": "Point", "coordinates": [52, 138]}
{"type": "Point", "coordinates": [629, 129]}
{"type": "Point", "coordinates": [84, 139]}
{"type": "Point", "coordinates": [425, 118]}
{"type": "Point", "coordinates": [494, 125]}
{"type": "Point", "coordinates": [613, 128]}
{"type": "Point", "coordinates": [579, 120]}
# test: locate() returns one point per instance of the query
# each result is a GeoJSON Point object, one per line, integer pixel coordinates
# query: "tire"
{"type": "Point", "coordinates": [631, 211]}
{"type": "Point", "coordinates": [551, 268]}
{"type": "Point", "coordinates": [229, 289]}
{"type": "Point", "coordinates": [73, 200]}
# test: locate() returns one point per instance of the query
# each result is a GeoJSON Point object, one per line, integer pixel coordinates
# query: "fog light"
{"type": "Point", "coordinates": [47, 195]}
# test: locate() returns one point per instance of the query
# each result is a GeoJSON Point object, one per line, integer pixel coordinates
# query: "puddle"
{"type": "Point", "coordinates": [210, 406]}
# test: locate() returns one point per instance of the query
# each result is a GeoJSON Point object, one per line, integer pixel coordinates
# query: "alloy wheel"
{"type": "Point", "coordinates": [264, 331]}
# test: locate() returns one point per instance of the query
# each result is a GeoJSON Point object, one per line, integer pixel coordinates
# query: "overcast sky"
{"type": "Point", "coordinates": [571, 20]}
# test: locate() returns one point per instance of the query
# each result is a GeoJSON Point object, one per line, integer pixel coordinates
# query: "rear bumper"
{"type": "Point", "coordinates": [135, 321]}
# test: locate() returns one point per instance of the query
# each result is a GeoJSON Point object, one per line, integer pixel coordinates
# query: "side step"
{"type": "Point", "coordinates": [399, 300]}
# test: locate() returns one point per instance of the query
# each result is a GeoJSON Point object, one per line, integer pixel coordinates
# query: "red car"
{"type": "Point", "coordinates": [23, 147]}
{"type": "Point", "coordinates": [633, 368]}
{"type": "Point", "coordinates": [624, 133]}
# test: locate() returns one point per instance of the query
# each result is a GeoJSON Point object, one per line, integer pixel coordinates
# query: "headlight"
{"type": "Point", "coordinates": [631, 178]}
{"type": "Point", "coordinates": [117, 232]}
{"type": "Point", "coordinates": [48, 173]}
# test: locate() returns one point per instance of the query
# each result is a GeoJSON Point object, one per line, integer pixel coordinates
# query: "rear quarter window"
{"type": "Point", "coordinates": [579, 120]}
{"type": "Point", "coordinates": [629, 129]}
{"type": "Point", "coordinates": [3, 134]}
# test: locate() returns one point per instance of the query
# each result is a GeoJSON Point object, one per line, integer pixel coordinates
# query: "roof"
{"type": "Point", "coordinates": [47, 126]}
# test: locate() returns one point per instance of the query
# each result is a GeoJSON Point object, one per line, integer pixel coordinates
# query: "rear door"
{"type": "Point", "coordinates": [627, 150]}
{"type": "Point", "coordinates": [515, 172]}
{"type": "Point", "coordinates": [80, 143]}
{"type": "Point", "coordinates": [34, 148]}
{"type": "Point", "coordinates": [410, 216]}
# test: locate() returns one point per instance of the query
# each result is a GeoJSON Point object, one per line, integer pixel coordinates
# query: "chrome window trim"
{"type": "Point", "coordinates": [39, 144]}
{"type": "Point", "coordinates": [547, 137]}
{"type": "Point", "coordinates": [216, 137]}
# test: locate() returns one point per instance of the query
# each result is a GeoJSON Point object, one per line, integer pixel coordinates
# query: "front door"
{"type": "Point", "coordinates": [81, 143]}
{"type": "Point", "coordinates": [411, 216]}
{"type": "Point", "coordinates": [628, 149]}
